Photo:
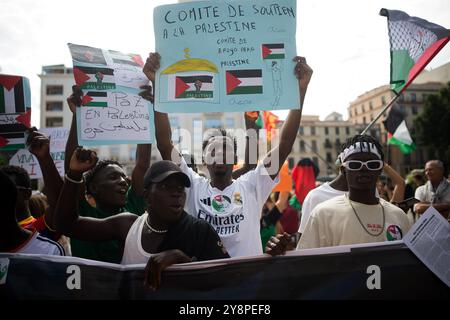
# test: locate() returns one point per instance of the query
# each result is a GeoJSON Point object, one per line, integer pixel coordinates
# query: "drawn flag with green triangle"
{"type": "Point", "coordinates": [273, 51]}
{"type": "Point", "coordinates": [398, 133]}
{"type": "Point", "coordinates": [244, 81]}
{"type": "Point", "coordinates": [94, 78]}
{"type": "Point", "coordinates": [414, 43]}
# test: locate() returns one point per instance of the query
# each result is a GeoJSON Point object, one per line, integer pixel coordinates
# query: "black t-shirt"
{"type": "Point", "coordinates": [196, 238]}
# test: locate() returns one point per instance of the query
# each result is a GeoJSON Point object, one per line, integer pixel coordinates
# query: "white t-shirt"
{"type": "Point", "coordinates": [313, 198]}
{"type": "Point", "coordinates": [233, 212]}
{"type": "Point", "coordinates": [38, 244]}
{"type": "Point", "coordinates": [334, 223]}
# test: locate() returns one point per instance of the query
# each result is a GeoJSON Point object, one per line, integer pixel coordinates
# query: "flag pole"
{"type": "Point", "coordinates": [381, 113]}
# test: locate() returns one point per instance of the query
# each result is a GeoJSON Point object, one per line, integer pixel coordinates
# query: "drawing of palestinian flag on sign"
{"type": "Point", "coordinates": [134, 60]}
{"type": "Point", "coordinates": [95, 99]}
{"type": "Point", "coordinates": [94, 78]}
{"type": "Point", "coordinates": [273, 51]}
{"type": "Point", "coordinates": [15, 111]}
{"type": "Point", "coordinates": [244, 81]}
{"type": "Point", "coordinates": [87, 54]}
{"type": "Point", "coordinates": [194, 86]}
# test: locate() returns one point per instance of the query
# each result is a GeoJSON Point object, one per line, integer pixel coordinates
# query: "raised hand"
{"type": "Point", "coordinates": [158, 263]}
{"type": "Point", "coordinates": [152, 65]}
{"type": "Point", "coordinates": [303, 72]}
{"type": "Point", "coordinates": [74, 100]}
{"type": "Point", "coordinates": [38, 143]}
{"type": "Point", "coordinates": [82, 160]}
{"type": "Point", "coordinates": [277, 245]}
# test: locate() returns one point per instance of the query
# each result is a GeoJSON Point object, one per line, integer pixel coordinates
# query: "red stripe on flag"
{"type": "Point", "coordinates": [232, 82]}
{"type": "Point", "coordinates": [80, 76]}
{"type": "Point", "coordinates": [25, 118]}
{"type": "Point", "coordinates": [180, 87]}
{"type": "Point", "coordinates": [265, 51]}
{"type": "Point", "coordinates": [9, 81]}
{"type": "Point", "coordinates": [424, 59]}
{"type": "Point", "coordinates": [138, 60]}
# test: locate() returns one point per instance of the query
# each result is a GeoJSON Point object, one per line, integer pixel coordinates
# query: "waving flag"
{"type": "Point", "coordinates": [398, 132]}
{"type": "Point", "coordinates": [414, 43]}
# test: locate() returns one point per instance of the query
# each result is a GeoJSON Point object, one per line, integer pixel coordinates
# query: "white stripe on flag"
{"type": "Point", "coordinates": [10, 106]}
{"type": "Point", "coordinates": [277, 51]}
{"type": "Point", "coordinates": [16, 141]}
{"type": "Point", "coordinates": [402, 134]}
{"type": "Point", "coordinates": [250, 82]}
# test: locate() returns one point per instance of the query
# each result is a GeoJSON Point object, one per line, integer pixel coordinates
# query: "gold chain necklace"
{"type": "Point", "coordinates": [153, 229]}
{"type": "Point", "coordinates": [362, 225]}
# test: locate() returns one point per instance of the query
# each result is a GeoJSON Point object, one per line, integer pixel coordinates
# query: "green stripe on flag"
{"type": "Point", "coordinates": [404, 148]}
{"type": "Point", "coordinates": [97, 104]}
{"type": "Point", "coordinates": [13, 147]}
{"type": "Point", "coordinates": [275, 56]}
{"type": "Point", "coordinates": [260, 122]}
{"type": "Point", "coordinates": [401, 64]}
{"type": "Point", "coordinates": [247, 90]}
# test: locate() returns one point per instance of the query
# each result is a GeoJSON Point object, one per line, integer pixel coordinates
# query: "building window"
{"type": "Point", "coordinates": [229, 123]}
{"type": "Point", "coordinates": [347, 131]}
{"type": "Point", "coordinates": [370, 105]}
{"type": "Point", "coordinates": [54, 106]}
{"type": "Point", "coordinates": [328, 143]}
{"type": "Point", "coordinates": [413, 97]}
{"type": "Point", "coordinates": [302, 146]}
{"type": "Point", "coordinates": [336, 130]}
{"type": "Point", "coordinates": [329, 157]}
{"type": "Point", "coordinates": [54, 122]}
{"type": "Point", "coordinates": [363, 109]}
{"type": "Point", "coordinates": [300, 130]}
{"type": "Point", "coordinates": [414, 109]}
{"type": "Point", "coordinates": [212, 123]}
{"type": "Point", "coordinates": [314, 145]}
{"type": "Point", "coordinates": [364, 120]}
{"type": "Point", "coordinates": [313, 131]}
{"type": "Point", "coordinates": [371, 117]}
{"type": "Point", "coordinates": [53, 90]}
{"type": "Point", "coordinates": [326, 130]}
{"type": "Point", "coordinates": [383, 100]}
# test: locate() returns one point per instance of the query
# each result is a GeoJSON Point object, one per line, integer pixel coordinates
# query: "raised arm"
{"type": "Point", "coordinates": [67, 219]}
{"type": "Point", "coordinates": [73, 101]}
{"type": "Point", "coordinates": [143, 153]}
{"type": "Point", "coordinates": [292, 123]}
{"type": "Point", "coordinates": [251, 139]}
{"type": "Point", "coordinates": [163, 131]}
{"type": "Point", "coordinates": [39, 146]}
{"type": "Point", "coordinates": [398, 194]}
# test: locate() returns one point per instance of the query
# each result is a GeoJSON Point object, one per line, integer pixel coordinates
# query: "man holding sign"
{"type": "Point", "coordinates": [232, 207]}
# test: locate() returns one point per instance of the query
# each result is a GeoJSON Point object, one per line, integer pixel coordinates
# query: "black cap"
{"type": "Point", "coordinates": [161, 170]}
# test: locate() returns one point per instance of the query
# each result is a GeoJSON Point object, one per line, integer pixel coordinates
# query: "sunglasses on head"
{"type": "Point", "coordinates": [355, 165]}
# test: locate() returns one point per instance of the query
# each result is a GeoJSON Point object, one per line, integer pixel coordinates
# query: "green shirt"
{"type": "Point", "coordinates": [107, 251]}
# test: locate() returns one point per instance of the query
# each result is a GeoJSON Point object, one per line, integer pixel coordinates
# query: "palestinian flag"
{"type": "Point", "coordinates": [398, 132]}
{"type": "Point", "coordinates": [197, 87]}
{"type": "Point", "coordinates": [134, 60]}
{"type": "Point", "coordinates": [95, 99]}
{"type": "Point", "coordinates": [273, 51]}
{"type": "Point", "coordinates": [14, 94]}
{"type": "Point", "coordinates": [94, 78]}
{"type": "Point", "coordinates": [414, 43]}
{"type": "Point", "coordinates": [244, 81]}
{"type": "Point", "coordinates": [87, 54]}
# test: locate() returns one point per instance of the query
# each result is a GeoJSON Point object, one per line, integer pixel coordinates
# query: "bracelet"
{"type": "Point", "coordinates": [66, 177]}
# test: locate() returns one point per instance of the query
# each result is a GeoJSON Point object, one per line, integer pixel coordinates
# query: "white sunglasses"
{"type": "Point", "coordinates": [355, 165]}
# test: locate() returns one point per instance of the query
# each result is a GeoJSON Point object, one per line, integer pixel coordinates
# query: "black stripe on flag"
{"type": "Point", "coordinates": [395, 117]}
{"type": "Point", "coordinates": [255, 73]}
{"type": "Point", "coordinates": [274, 45]}
{"type": "Point", "coordinates": [16, 127]}
{"type": "Point", "coordinates": [18, 97]}
{"type": "Point", "coordinates": [96, 94]}
{"type": "Point", "coordinates": [8, 135]}
{"type": "Point", "coordinates": [94, 70]}
{"type": "Point", "coordinates": [192, 79]}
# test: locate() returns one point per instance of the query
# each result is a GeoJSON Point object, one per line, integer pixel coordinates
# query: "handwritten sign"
{"type": "Point", "coordinates": [15, 111]}
{"type": "Point", "coordinates": [112, 112]}
{"type": "Point", "coordinates": [222, 56]}
{"type": "Point", "coordinates": [58, 139]}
